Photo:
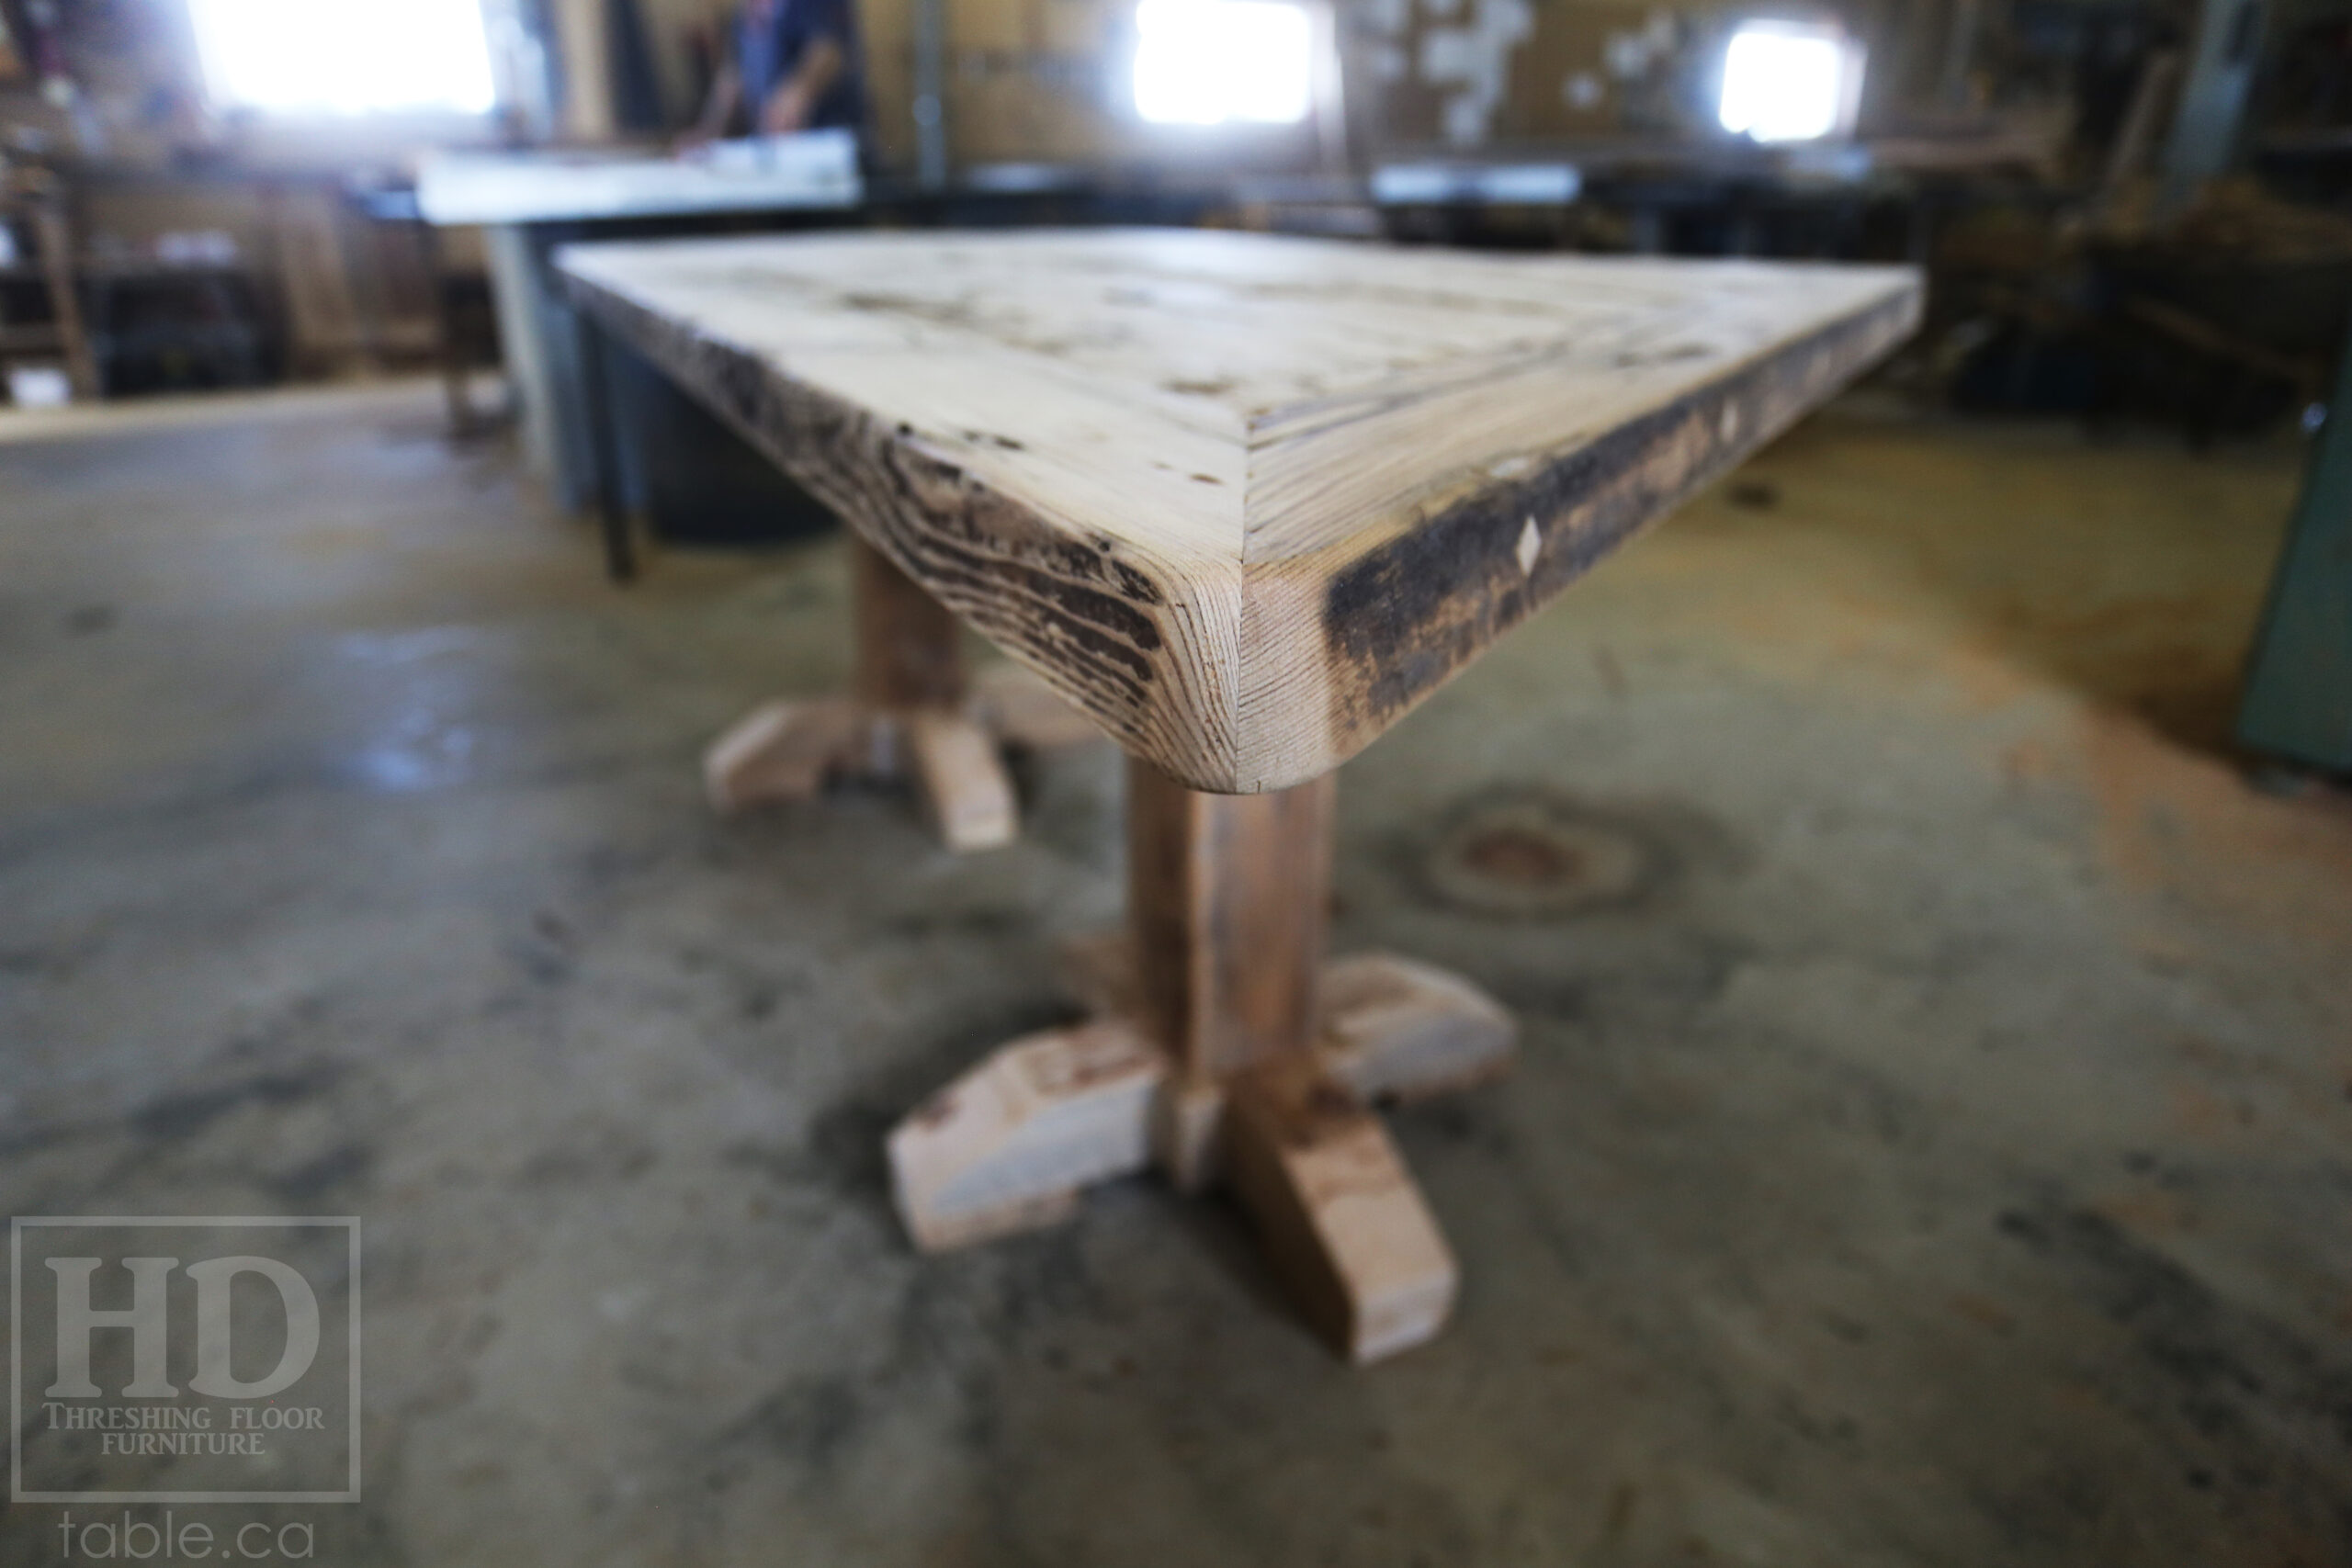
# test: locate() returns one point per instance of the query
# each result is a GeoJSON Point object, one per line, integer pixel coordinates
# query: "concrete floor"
{"type": "Point", "coordinates": [1941, 1154]}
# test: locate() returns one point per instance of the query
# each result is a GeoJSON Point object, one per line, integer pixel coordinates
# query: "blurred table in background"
{"type": "Point", "coordinates": [528, 203]}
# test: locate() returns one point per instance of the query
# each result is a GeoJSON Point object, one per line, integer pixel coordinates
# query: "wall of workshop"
{"type": "Point", "coordinates": [1033, 78]}
{"type": "Point", "coordinates": [1473, 73]}
{"type": "Point", "coordinates": [150, 169]}
{"type": "Point", "coordinates": [1044, 80]}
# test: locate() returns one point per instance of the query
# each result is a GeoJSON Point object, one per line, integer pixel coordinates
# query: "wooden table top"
{"type": "Point", "coordinates": [1244, 499]}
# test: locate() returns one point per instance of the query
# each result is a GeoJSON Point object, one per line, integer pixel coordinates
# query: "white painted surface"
{"type": "Point", "coordinates": [814, 169]}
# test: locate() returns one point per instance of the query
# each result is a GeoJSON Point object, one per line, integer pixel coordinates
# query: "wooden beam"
{"type": "Point", "coordinates": [53, 231]}
{"type": "Point", "coordinates": [1024, 711]}
{"type": "Point", "coordinates": [1227, 900]}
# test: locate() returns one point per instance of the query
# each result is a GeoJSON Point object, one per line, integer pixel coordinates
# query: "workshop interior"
{"type": "Point", "coordinates": [702, 861]}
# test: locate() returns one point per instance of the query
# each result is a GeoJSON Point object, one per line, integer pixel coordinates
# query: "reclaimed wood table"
{"type": "Point", "coordinates": [1244, 501]}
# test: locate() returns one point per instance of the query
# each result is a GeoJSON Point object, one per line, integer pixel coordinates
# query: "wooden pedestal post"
{"type": "Point", "coordinates": [910, 651]}
{"type": "Point", "coordinates": [1227, 897]}
{"type": "Point", "coordinates": [1225, 1048]}
{"type": "Point", "coordinates": [911, 713]}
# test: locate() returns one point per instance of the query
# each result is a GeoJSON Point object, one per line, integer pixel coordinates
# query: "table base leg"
{"type": "Point", "coordinates": [1008, 1146]}
{"type": "Point", "coordinates": [910, 713]}
{"type": "Point", "coordinates": [791, 750]}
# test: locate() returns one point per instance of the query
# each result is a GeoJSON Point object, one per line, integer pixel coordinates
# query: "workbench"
{"type": "Point", "coordinates": [1243, 502]}
{"type": "Point", "coordinates": [528, 203]}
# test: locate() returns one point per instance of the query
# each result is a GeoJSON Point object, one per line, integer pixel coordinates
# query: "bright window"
{"type": "Point", "coordinates": [345, 56]}
{"type": "Point", "coordinates": [1784, 82]}
{"type": "Point", "coordinates": [1207, 61]}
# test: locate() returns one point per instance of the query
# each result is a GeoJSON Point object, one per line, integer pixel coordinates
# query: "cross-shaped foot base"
{"type": "Point", "coordinates": [1009, 1146]}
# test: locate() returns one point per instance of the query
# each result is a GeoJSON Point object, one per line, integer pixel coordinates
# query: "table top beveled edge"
{"type": "Point", "coordinates": [1192, 635]}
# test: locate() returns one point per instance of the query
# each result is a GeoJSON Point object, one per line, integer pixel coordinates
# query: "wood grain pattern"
{"type": "Point", "coordinates": [1244, 500]}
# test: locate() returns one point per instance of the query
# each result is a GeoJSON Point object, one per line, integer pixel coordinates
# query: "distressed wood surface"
{"type": "Point", "coordinates": [1007, 1147]}
{"type": "Point", "coordinates": [1244, 499]}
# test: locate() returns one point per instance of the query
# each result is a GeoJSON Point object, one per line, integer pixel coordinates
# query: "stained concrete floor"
{"type": "Point", "coordinates": [1940, 1153]}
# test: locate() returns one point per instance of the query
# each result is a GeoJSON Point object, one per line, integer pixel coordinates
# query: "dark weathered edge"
{"type": "Point", "coordinates": [1414, 610]}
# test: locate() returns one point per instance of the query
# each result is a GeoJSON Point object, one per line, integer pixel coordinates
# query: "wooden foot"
{"type": "Point", "coordinates": [1007, 1147]}
{"type": "Point", "coordinates": [788, 751]}
{"type": "Point", "coordinates": [962, 776]}
{"type": "Point", "coordinates": [784, 752]}
{"type": "Point", "coordinates": [1395, 1030]}
{"type": "Point", "coordinates": [1340, 1218]}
